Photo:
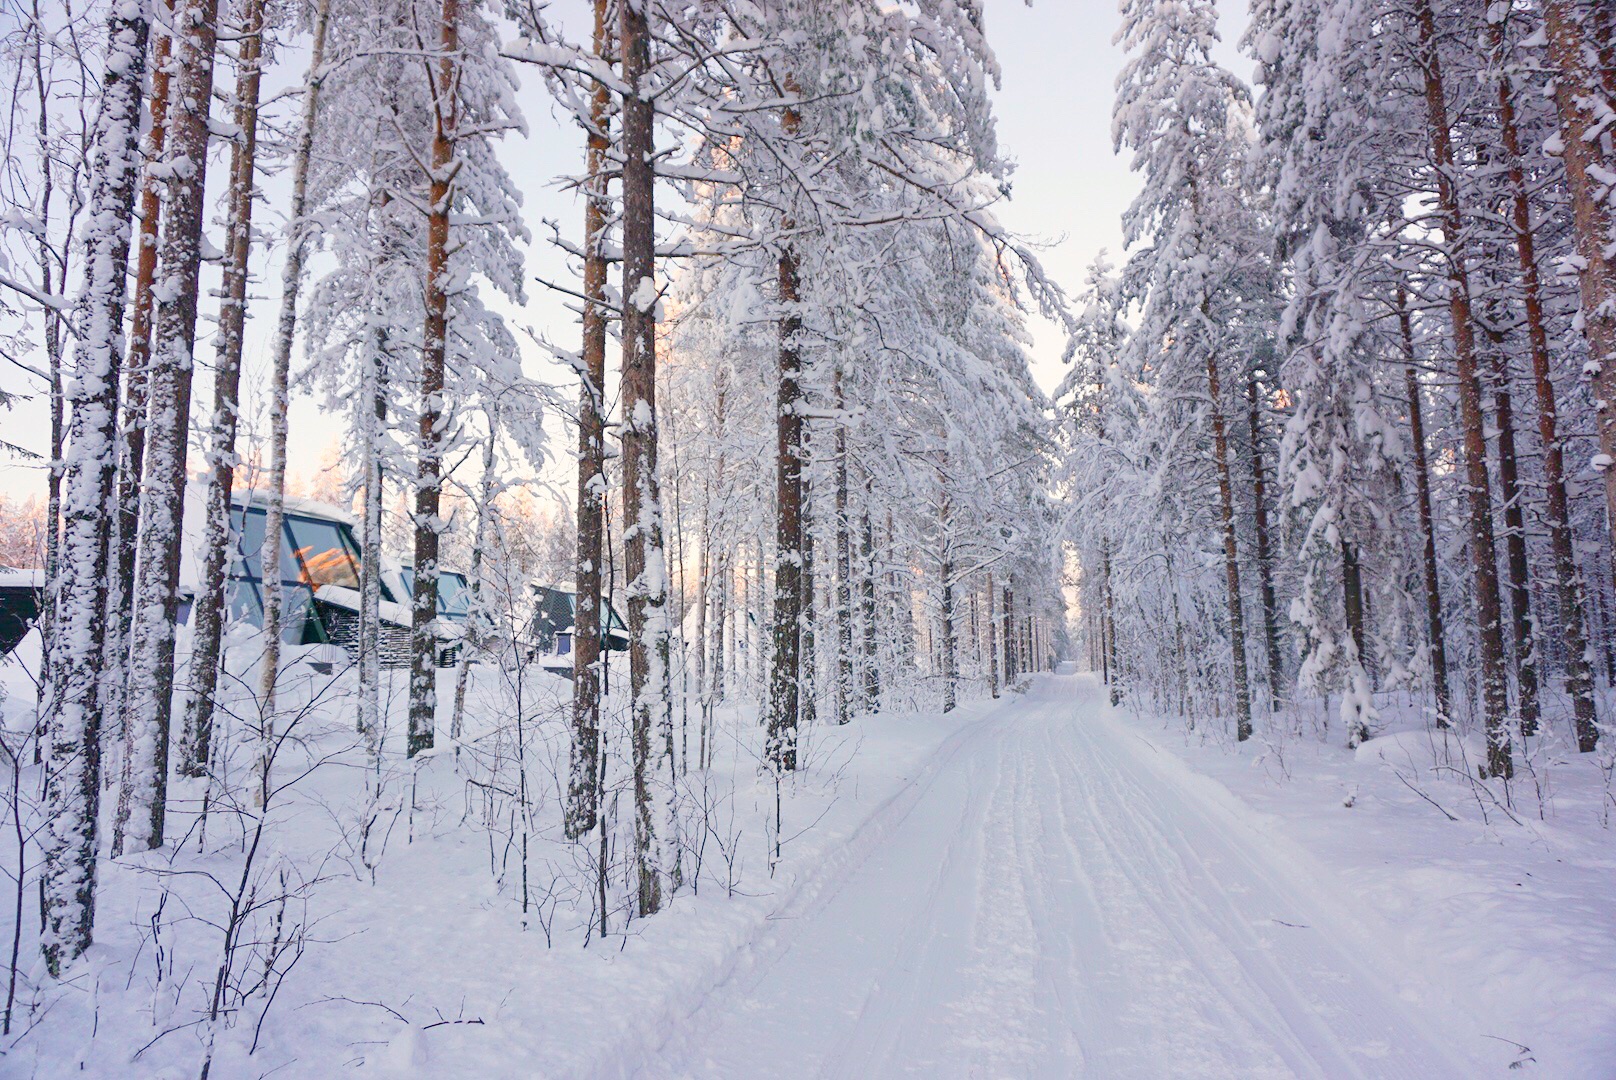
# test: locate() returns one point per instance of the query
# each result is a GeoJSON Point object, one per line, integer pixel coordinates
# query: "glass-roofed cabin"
{"type": "Point", "coordinates": [454, 592]}
{"type": "Point", "coordinates": [554, 619]}
{"type": "Point", "coordinates": [320, 583]}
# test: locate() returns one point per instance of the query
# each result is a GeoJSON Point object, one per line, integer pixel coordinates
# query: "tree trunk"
{"type": "Point", "coordinates": [73, 752]}
{"type": "Point", "coordinates": [1353, 599]}
{"type": "Point", "coordinates": [1231, 555]}
{"type": "Point", "coordinates": [583, 798]}
{"type": "Point", "coordinates": [872, 668]}
{"type": "Point", "coordinates": [784, 671]}
{"type": "Point", "coordinates": [210, 605]}
{"type": "Point", "coordinates": [297, 229]}
{"type": "Point", "coordinates": [1108, 630]}
{"type": "Point", "coordinates": [1568, 583]}
{"type": "Point", "coordinates": [434, 355]}
{"type": "Point", "coordinates": [473, 638]}
{"type": "Point", "coordinates": [372, 417]}
{"type": "Point", "coordinates": [1422, 482]}
{"type": "Point", "coordinates": [1010, 671]}
{"type": "Point", "coordinates": [1265, 557]}
{"type": "Point", "coordinates": [137, 368]}
{"type": "Point", "coordinates": [1483, 553]}
{"type": "Point", "coordinates": [844, 562]}
{"type": "Point", "coordinates": [141, 802]}
{"type": "Point", "coordinates": [1519, 584]}
{"type": "Point", "coordinates": [950, 663]}
{"type": "Point", "coordinates": [1585, 98]}
{"type": "Point", "coordinates": [993, 643]}
{"type": "Point", "coordinates": [645, 564]}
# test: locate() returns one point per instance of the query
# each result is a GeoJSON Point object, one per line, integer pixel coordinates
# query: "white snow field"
{"type": "Point", "coordinates": [1039, 886]}
{"type": "Point", "coordinates": [1042, 902]}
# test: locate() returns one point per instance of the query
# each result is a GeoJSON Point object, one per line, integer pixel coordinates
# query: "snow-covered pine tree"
{"type": "Point", "coordinates": [1181, 114]}
{"type": "Point", "coordinates": [142, 798]}
{"type": "Point", "coordinates": [73, 738]}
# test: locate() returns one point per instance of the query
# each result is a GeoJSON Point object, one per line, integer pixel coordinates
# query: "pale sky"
{"type": "Point", "coordinates": [1054, 112]}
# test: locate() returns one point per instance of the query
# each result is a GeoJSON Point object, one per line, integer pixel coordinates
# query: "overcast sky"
{"type": "Point", "coordinates": [1054, 112]}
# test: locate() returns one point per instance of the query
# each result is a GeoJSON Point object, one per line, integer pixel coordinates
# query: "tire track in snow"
{"type": "Point", "coordinates": [1041, 902]}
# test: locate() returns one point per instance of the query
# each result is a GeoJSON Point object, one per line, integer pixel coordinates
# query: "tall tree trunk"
{"type": "Point", "coordinates": [473, 639]}
{"type": "Point", "coordinates": [785, 674]}
{"type": "Point", "coordinates": [1010, 671]}
{"type": "Point", "coordinates": [844, 560]}
{"type": "Point", "coordinates": [645, 563]}
{"type": "Point", "coordinates": [142, 799]}
{"type": "Point", "coordinates": [993, 641]}
{"type": "Point", "coordinates": [872, 667]}
{"type": "Point", "coordinates": [297, 228]}
{"type": "Point", "coordinates": [372, 419]}
{"type": "Point", "coordinates": [1108, 630]}
{"type": "Point", "coordinates": [137, 367]}
{"type": "Point", "coordinates": [1568, 583]}
{"type": "Point", "coordinates": [1519, 584]}
{"type": "Point", "coordinates": [784, 671]}
{"type": "Point", "coordinates": [210, 606]}
{"type": "Point", "coordinates": [1483, 553]}
{"type": "Point", "coordinates": [1353, 599]}
{"type": "Point", "coordinates": [807, 670]}
{"type": "Point", "coordinates": [950, 661]}
{"type": "Point", "coordinates": [583, 798]}
{"type": "Point", "coordinates": [434, 355]}
{"type": "Point", "coordinates": [724, 575]}
{"type": "Point", "coordinates": [1586, 98]}
{"type": "Point", "coordinates": [73, 750]}
{"type": "Point", "coordinates": [53, 278]}
{"type": "Point", "coordinates": [1231, 553]}
{"type": "Point", "coordinates": [1422, 481]}
{"type": "Point", "coordinates": [1265, 556]}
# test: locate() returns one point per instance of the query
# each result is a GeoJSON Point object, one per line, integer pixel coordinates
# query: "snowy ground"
{"type": "Point", "coordinates": [1041, 886]}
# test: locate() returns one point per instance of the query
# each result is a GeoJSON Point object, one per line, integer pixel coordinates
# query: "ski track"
{"type": "Point", "coordinates": [1045, 904]}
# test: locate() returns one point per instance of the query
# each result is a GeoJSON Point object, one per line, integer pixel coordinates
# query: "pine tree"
{"type": "Point", "coordinates": [143, 797]}
{"type": "Point", "coordinates": [73, 746]}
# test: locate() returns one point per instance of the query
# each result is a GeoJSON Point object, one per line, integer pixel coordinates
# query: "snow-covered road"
{"type": "Point", "coordinates": [1042, 901]}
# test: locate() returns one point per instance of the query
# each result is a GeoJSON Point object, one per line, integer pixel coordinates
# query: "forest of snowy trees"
{"type": "Point", "coordinates": [1332, 453]}
{"type": "Point", "coordinates": [1339, 424]}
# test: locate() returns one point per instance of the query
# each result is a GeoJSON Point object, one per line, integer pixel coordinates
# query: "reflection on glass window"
{"type": "Point", "coordinates": [250, 529]}
{"type": "Point", "coordinates": [326, 557]}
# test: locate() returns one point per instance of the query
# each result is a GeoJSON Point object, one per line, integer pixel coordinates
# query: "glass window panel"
{"type": "Point", "coordinates": [326, 557]}
{"type": "Point", "coordinates": [250, 535]}
{"type": "Point", "coordinates": [454, 597]}
{"type": "Point", "coordinates": [243, 602]}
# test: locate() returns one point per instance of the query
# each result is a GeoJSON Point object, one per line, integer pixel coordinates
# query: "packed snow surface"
{"type": "Point", "coordinates": [1045, 901]}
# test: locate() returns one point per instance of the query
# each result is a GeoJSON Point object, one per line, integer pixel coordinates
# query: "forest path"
{"type": "Point", "coordinates": [1046, 903]}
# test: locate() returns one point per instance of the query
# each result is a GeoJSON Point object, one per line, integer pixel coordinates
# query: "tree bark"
{"type": "Point", "coordinates": [1483, 552]}
{"type": "Point", "coordinates": [844, 560]}
{"type": "Point", "coordinates": [1422, 481]}
{"type": "Point", "coordinates": [1231, 554]}
{"type": "Point", "coordinates": [993, 643]}
{"type": "Point", "coordinates": [210, 605]}
{"type": "Point", "coordinates": [434, 355]}
{"type": "Point", "coordinates": [1519, 584]}
{"type": "Point", "coordinates": [1265, 556]}
{"type": "Point", "coordinates": [645, 564]}
{"type": "Point", "coordinates": [784, 672]}
{"type": "Point", "coordinates": [872, 668]}
{"type": "Point", "coordinates": [1568, 582]}
{"type": "Point", "coordinates": [73, 751]}
{"type": "Point", "coordinates": [142, 799]}
{"type": "Point", "coordinates": [297, 228]}
{"type": "Point", "coordinates": [583, 798]}
{"type": "Point", "coordinates": [1010, 671]}
{"type": "Point", "coordinates": [1585, 98]}
{"type": "Point", "coordinates": [137, 367]}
